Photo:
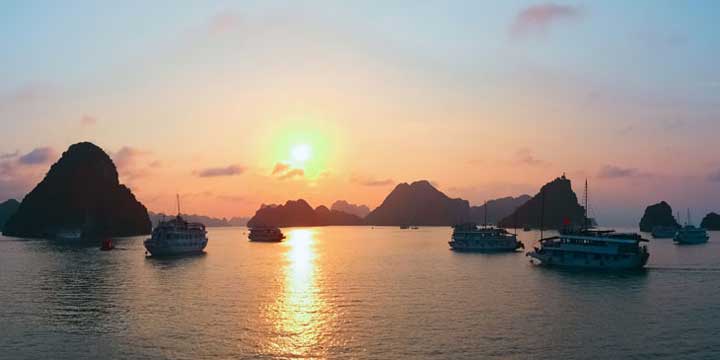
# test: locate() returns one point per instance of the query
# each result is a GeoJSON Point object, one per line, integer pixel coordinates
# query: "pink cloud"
{"type": "Point", "coordinates": [526, 157]}
{"type": "Point", "coordinates": [6, 156]}
{"type": "Point", "coordinates": [87, 120]}
{"type": "Point", "coordinates": [292, 173]}
{"type": "Point", "coordinates": [369, 181]}
{"type": "Point", "coordinates": [537, 18]}
{"type": "Point", "coordinates": [280, 168]}
{"type": "Point", "coordinates": [127, 157]}
{"type": "Point", "coordinates": [617, 172]}
{"type": "Point", "coordinates": [38, 156]}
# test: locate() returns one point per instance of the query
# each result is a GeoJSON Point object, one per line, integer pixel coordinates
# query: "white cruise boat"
{"type": "Point", "coordinates": [592, 249]}
{"type": "Point", "coordinates": [265, 234]}
{"type": "Point", "coordinates": [689, 234]}
{"type": "Point", "coordinates": [177, 237]}
{"type": "Point", "coordinates": [472, 238]}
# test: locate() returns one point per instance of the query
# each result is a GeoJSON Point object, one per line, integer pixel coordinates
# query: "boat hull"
{"type": "Point", "coordinates": [484, 249]}
{"type": "Point", "coordinates": [274, 240]}
{"type": "Point", "coordinates": [174, 249]}
{"type": "Point", "coordinates": [628, 262]}
{"type": "Point", "coordinates": [690, 241]}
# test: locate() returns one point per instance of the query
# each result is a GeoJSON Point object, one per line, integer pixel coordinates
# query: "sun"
{"type": "Point", "coordinates": [301, 153]}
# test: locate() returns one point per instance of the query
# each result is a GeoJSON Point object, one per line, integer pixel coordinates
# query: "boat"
{"type": "Point", "coordinates": [107, 245]}
{"type": "Point", "coordinates": [591, 249]}
{"type": "Point", "coordinates": [177, 237]}
{"type": "Point", "coordinates": [689, 234]}
{"type": "Point", "coordinates": [265, 234]}
{"type": "Point", "coordinates": [527, 228]}
{"type": "Point", "coordinates": [663, 232]}
{"type": "Point", "coordinates": [414, 227]}
{"type": "Point", "coordinates": [404, 227]}
{"type": "Point", "coordinates": [469, 237]}
{"type": "Point", "coordinates": [68, 234]}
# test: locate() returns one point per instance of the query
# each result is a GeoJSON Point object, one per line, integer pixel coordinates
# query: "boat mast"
{"type": "Point", "coordinates": [542, 211]}
{"type": "Point", "coordinates": [486, 223]}
{"type": "Point", "coordinates": [178, 203]}
{"type": "Point", "coordinates": [586, 220]}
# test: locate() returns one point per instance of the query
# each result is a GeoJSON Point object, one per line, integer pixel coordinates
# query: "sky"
{"type": "Point", "coordinates": [233, 104]}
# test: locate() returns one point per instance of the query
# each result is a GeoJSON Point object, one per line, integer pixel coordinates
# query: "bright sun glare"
{"type": "Point", "coordinates": [301, 153]}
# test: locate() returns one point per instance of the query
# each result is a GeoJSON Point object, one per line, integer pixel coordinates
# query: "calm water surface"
{"type": "Point", "coordinates": [350, 292]}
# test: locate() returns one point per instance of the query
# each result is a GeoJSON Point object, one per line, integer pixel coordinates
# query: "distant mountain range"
{"type": "Point", "coordinates": [155, 218]}
{"type": "Point", "coordinates": [360, 211]}
{"type": "Point", "coordinates": [418, 203]}
{"type": "Point", "coordinates": [497, 209]}
{"type": "Point", "coordinates": [300, 213]}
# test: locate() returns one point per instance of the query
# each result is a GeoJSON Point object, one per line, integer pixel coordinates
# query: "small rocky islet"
{"type": "Point", "coordinates": [80, 191]}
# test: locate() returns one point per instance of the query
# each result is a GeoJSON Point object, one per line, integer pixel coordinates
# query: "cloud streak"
{"type": "Point", "coordinates": [88, 120]}
{"type": "Point", "coordinates": [617, 172]}
{"type": "Point", "coordinates": [38, 156]}
{"type": "Point", "coordinates": [7, 156]}
{"type": "Point", "coordinates": [280, 168]}
{"type": "Point", "coordinates": [292, 173]}
{"type": "Point", "coordinates": [538, 18]}
{"type": "Point", "coordinates": [127, 156]}
{"type": "Point", "coordinates": [230, 170]}
{"type": "Point", "coordinates": [525, 156]}
{"type": "Point", "coordinates": [366, 181]}
{"type": "Point", "coordinates": [714, 176]}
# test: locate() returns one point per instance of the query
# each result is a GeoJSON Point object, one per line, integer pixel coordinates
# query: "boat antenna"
{"type": "Point", "coordinates": [486, 205]}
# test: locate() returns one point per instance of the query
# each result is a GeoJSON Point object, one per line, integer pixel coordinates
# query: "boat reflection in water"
{"type": "Point", "coordinates": [300, 315]}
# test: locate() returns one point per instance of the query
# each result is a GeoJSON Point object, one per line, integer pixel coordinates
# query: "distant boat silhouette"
{"type": "Point", "coordinates": [689, 234]}
{"type": "Point", "coordinates": [265, 234]}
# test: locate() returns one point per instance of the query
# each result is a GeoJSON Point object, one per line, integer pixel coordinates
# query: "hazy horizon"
{"type": "Point", "coordinates": [237, 104]}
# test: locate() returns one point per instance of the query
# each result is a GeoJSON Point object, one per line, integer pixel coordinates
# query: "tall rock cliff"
{"type": "Point", "coordinates": [711, 222]}
{"type": "Point", "coordinates": [81, 191]}
{"type": "Point", "coordinates": [7, 209]}
{"type": "Point", "coordinates": [561, 208]}
{"type": "Point", "coordinates": [659, 214]}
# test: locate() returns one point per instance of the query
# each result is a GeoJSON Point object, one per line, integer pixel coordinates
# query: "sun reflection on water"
{"type": "Point", "coordinates": [299, 313]}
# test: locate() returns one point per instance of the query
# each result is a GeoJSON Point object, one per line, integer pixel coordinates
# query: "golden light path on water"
{"type": "Point", "coordinates": [300, 314]}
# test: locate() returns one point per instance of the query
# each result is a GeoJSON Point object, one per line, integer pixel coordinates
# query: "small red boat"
{"type": "Point", "coordinates": [107, 244]}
